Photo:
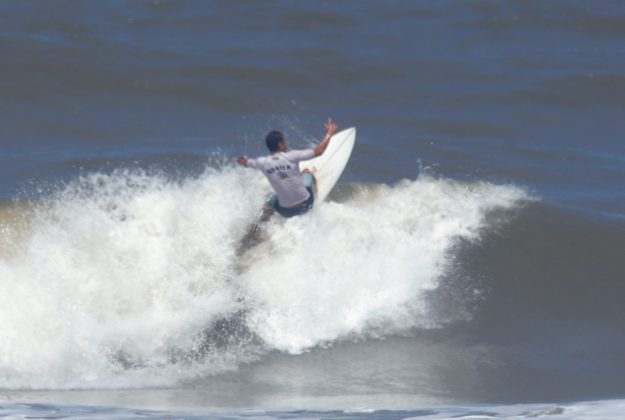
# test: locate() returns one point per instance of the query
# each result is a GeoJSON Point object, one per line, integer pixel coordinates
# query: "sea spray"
{"type": "Point", "coordinates": [119, 271]}
{"type": "Point", "coordinates": [362, 266]}
{"type": "Point", "coordinates": [132, 280]}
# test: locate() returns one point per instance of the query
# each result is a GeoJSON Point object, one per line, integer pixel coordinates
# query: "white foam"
{"type": "Point", "coordinates": [120, 274]}
{"type": "Point", "coordinates": [362, 266]}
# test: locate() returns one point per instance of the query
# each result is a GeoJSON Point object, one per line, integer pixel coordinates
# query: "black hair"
{"type": "Point", "coordinates": [273, 139]}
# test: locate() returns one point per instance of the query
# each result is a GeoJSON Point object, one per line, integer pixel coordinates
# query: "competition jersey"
{"type": "Point", "coordinates": [282, 171]}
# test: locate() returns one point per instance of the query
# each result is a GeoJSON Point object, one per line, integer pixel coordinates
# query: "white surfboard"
{"type": "Point", "coordinates": [329, 166]}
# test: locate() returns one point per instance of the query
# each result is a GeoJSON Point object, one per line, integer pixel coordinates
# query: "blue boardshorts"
{"type": "Point", "coordinates": [287, 212]}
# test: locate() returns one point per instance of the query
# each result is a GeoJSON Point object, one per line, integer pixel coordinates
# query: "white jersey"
{"type": "Point", "coordinates": [282, 171]}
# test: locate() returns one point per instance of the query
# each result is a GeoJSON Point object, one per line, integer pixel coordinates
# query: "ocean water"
{"type": "Point", "coordinates": [468, 264]}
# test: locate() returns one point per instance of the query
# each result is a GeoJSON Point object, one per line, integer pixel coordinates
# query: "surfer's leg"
{"type": "Point", "coordinates": [257, 229]}
{"type": "Point", "coordinates": [269, 208]}
{"type": "Point", "coordinates": [308, 177]}
{"type": "Point", "coordinates": [254, 235]}
{"type": "Point", "coordinates": [266, 214]}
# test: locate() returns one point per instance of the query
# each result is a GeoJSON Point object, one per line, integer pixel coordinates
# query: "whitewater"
{"type": "Point", "coordinates": [133, 279]}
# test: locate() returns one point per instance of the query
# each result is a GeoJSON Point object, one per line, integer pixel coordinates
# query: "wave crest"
{"type": "Point", "coordinates": [130, 279]}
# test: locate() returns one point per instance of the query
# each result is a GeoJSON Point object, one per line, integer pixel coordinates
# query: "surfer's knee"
{"type": "Point", "coordinates": [267, 213]}
{"type": "Point", "coordinates": [311, 171]}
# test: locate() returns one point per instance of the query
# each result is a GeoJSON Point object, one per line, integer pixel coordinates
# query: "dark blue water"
{"type": "Point", "coordinates": [506, 118]}
{"type": "Point", "coordinates": [511, 92]}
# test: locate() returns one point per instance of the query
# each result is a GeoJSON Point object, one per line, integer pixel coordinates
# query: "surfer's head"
{"type": "Point", "coordinates": [275, 141]}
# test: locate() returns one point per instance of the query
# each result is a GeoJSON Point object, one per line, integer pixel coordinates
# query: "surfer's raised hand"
{"type": "Point", "coordinates": [330, 127]}
{"type": "Point", "coordinates": [330, 130]}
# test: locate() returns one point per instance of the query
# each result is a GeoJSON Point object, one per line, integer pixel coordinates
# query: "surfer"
{"type": "Point", "coordinates": [295, 191]}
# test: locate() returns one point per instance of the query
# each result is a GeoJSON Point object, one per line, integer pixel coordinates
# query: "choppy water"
{"type": "Point", "coordinates": [472, 252]}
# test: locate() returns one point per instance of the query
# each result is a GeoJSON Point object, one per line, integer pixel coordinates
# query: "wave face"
{"type": "Point", "coordinates": [130, 279]}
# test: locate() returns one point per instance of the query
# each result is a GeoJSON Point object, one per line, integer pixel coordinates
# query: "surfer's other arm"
{"type": "Point", "coordinates": [330, 130]}
{"type": "Point", "coordinates": [242, 160]}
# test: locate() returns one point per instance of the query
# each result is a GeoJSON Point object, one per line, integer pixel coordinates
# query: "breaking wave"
{"type": "Point", "coordinates": [131, 279]}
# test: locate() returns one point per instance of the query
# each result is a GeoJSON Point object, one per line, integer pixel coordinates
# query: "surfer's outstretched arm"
{"type": "Point", "coordinates": [330, 130]}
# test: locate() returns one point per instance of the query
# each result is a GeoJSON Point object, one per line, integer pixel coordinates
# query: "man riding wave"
{"type": "Point", "coordinates": [295, 191]}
